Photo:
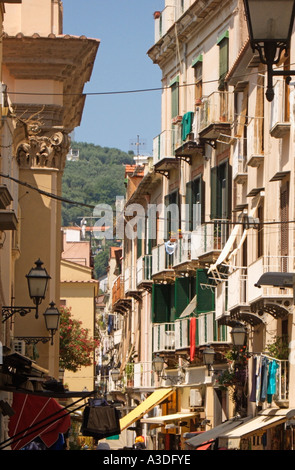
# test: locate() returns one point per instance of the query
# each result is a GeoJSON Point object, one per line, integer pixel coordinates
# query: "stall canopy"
{"type": "Point", "coordinates": [153, 400]}
{"type": "Point", "coordinates": [36, 417]}
{"type": "Point", "coordinates": [265, 420]}
{"type": "Point", "coordinates": [210, 436]}
{"type": "Point", "coordinates": [161, 420]}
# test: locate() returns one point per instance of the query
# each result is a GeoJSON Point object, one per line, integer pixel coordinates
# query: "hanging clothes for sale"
{"type": "Point", "coordinates": [100, 420]}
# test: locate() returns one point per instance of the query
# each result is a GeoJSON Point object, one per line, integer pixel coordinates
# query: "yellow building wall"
{"type": "Point", "coordinates": [79, 295]}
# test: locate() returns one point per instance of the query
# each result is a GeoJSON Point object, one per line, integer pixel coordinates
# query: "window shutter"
{"type": "Point", "coordinates": [223, 60]}
{"type": "Point", "coordinates": [226, 212]}
{"type": "Point", "coordinates": [205, 296]}
{"type": "Point", "coordinates": [189, 206]}
{"type": "Point", "coordinates": [161, 303]}
{"type": "Point", "coordinates": [214, 193]}
{"type": "Point", "coordinates": [174, 99]}
{"type": "Point", "coordinates": [284, 209]}
{"type": "Point", "coordinates": [182, 294]}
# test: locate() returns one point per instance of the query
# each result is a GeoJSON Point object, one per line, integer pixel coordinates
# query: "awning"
{"type": "Point", "coordinates": [265, 420]}
{"type": "Point", "coordinates": [189, 309]}
{"type": "Point", "coordinates": [211, 435]}
{"type": "Point", "coordinates": [162, 420]}
{"type": "Point", "coordinates": [153, 400]}
{"type": "Point", "coordinates": [226, 251]}
{"type": "Point", "coordinates": [227, 248]}
{"type": "Point", "coordinates": [36, 417]}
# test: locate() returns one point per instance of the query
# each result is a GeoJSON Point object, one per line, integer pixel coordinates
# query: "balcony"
{"type": "Point", "coordinates": [164, 22]}
{"type": "Point", "coordinates": [240, 175]}
{"type": "Point", "coordinates": [255, 152]}
{"type": "Point", "coordinates": [163, 337]}
{"type": "Point", "coordinates": [120, 303]}
{"type": "Point", "coordinates": [144, 272]}
{"type": "Point", "coordinates": [279, 118]}
{"type": "Point", "coordinates": [164, 146]}
{"type": "Point", "coordinates": [130, 286]}
{"type": "Point", "coordinates": [216, 115]}
{"type": "Point", "coordinates": [138, 375]}
{"type": "Point", "coordinates": [162, 262]}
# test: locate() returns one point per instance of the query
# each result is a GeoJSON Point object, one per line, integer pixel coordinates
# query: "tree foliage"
{"type": "Point", "coordinates": [96, 178]}
{"type": "Point", "coordinates": [76, 346]}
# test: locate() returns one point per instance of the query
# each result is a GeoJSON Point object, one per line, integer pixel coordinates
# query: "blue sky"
{"type": "Point", "coordinates": [126, 31]}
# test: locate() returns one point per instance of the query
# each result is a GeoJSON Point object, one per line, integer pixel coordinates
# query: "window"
{"type": "Point", "coordinates": [198, 68]}
{"type": "Point", "coordinates": [221, 191]}
{"type": "Point", "coordinates": [172, 214]}
{"type": "Point", "coordinates": [195, 203]}
{"type": "Point", "coordinates": [174, 86]}
{"type": "Point", "coordinates": [162, 303]}
{"type": "Point", "coordinates": [223, 44]}
{"type": "Point", "coordinates": [284, 209]}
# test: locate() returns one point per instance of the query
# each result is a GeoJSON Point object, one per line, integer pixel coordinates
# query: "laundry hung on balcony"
{"type": "Point", "coordinates": [264, 383]}
{"type": "Point", "coordinates": [187, 124]}
{"type": "Point", "coordinates": [100, 420]}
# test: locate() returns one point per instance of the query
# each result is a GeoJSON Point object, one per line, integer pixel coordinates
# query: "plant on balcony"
{"type": "Point", "coordinates": [176, 119]}
{"type": "Point", "coordinates": [279, 348]}
{"type": "Point", "coordinates": [235, 377]}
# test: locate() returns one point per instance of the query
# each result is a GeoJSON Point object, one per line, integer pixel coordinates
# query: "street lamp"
{"type": "Point", "coordinates": [208, 357]}
{"type": "Point", "coordinates": [158, 367]}
{"type": "Point", "coordinates": [37, 284]}
{"type": "Point", "coordinates": [115, 374]}
{"type": "Point", "coordinates": [270, 24]}
{"type": "Point", "coordinates": [51, 316]}
{"type": "Point", "coordinates": [238, 335]}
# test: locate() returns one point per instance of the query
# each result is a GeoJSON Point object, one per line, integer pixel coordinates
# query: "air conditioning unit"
{"type": "Point", "coordinates": [195, 398]}
{"type": "Point", "coordinates": [19, 346]}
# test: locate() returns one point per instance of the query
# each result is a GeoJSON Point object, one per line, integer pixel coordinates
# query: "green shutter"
{"type": "Point", "coordinates": [161, 300]}
{"type": "Point", "coordinates": [223, 60]}
{"type": "Point", "coordinates": [189, 206]}
{"type": "Point", "coordinates": [227, 195]}
{"type": "Point", "coordinates": [182, 294]}
{"type": "Point", "coordinates": [205, 295]}
{"type": "Point", "coordinates": [214, 193]}
{"type": "Point", "coordinates": [174, 86]}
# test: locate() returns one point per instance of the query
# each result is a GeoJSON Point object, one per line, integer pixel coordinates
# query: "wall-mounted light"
{"type": "Point", "coordinates": [37, 284]}
{"type": "Point", "coordinates": [270, 24]}
{"type": "Point", "coordinates": [158, 367]}
{"type": "Point", "coordinates": [208, 357]}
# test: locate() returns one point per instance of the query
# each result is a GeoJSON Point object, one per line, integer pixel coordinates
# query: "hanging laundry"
{"type": "Point", "coordinates": [170, 247]}
{"type": "Point", "coordinates": [272, 376]}
{"type": "Point", "coordinates": [187, 123]}
{"type": "Point", "coordinates": [258, 379]}
{"type": "Point", "coordinates": [192, 332]}
{"type": "Point", "coordinates": [264, 379]}
{"type": "Point", "coordinates": [253, 389]}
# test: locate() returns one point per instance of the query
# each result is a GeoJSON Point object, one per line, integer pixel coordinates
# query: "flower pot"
{"type": "Point", "coordinates": [157, 14]}
{"type": "Point", "coordinates": [198, 102]}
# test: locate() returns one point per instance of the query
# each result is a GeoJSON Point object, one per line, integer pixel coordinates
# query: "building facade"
{"type": "Point", "coordinates": [214, 211]}
{"type": "Point", "coordinates": [43, 75]}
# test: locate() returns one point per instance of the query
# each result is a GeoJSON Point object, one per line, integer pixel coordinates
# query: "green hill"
{"type": "Point", "coordinates": [96, 178]}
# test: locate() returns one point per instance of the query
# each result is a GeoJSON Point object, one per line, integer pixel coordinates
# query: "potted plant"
{"type": "Point", "coordinates": [157, 15]}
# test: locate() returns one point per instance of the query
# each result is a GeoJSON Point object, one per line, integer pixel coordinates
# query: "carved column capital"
{"type": "Point", "coordinates": [43, 150]}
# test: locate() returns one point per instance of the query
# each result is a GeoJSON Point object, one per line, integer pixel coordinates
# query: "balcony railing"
{"type": "Point", "coordinates": [161, 260]}
{"type": "Point", "coordinates": [237, 288]}
{"type": "Point", "coordinates": [182, 334]}
{"type": "Point", "coordinates": [164, 144]}
{"type": "Point", "coordinates": [164, 22]}
{"type": "Point", "coordinates": [255, 151]}
{"type": "Point", "coordinates": [282, 381]}
{"type": "Point", "coordinates": [144, 269]}
{"type": "Point", "coordinates": [176, 336]}
{"type": "Point", "coordinates": [239, 162]}
{"type": "Point", "coordinates": [163, 337]}
{"type": "Point", "coordinates": [138, 375]}
{"type": "Point", "coordinates": [118, 289]}
{"type": "Point", "coordinates": [217, 108]}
